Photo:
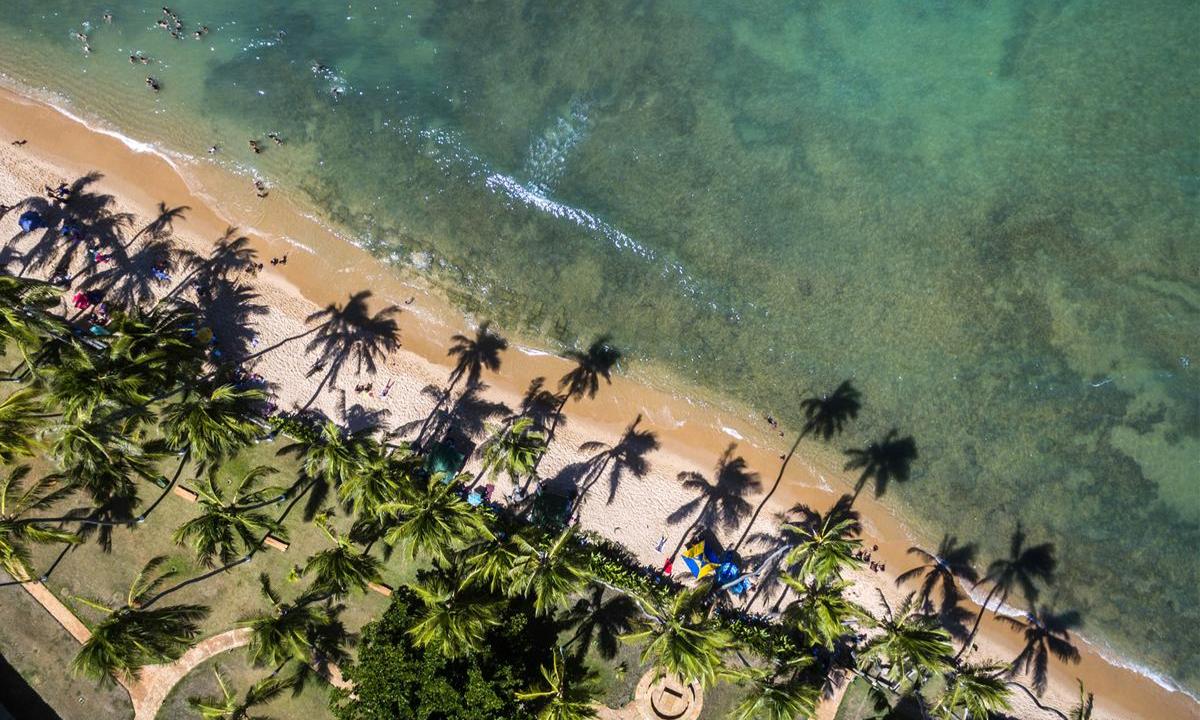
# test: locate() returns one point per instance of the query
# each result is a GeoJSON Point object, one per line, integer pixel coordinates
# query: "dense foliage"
{"type": "Point", "coordinates": [394, 678]}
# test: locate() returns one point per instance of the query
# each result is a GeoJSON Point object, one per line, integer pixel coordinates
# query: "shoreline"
{"type": "Point", "coordinates": [691, 433]}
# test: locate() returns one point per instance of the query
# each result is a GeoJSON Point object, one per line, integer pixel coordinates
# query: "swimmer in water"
{"type": "Point", "coordinates": [152, 83]}
{"type": "Point", "coordinates": [255, 147]}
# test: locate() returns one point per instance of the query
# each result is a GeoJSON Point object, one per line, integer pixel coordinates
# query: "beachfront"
{"type": "Point", "coordinates": [638, 514]}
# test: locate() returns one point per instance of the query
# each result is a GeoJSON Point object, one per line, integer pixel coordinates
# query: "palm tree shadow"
{"type": "Point", "coordinates": [719, 502]}
{"type": "Point", "coordinates": [883, 462]}
{"type": "Point", "coordinates": [351, 333]}
{"type": "Point", "coordinates": [163, 224]}
{"type": "Point", "coordinates": [1046, 634]}
{"type": "Point", "coordinates": [825, 417]}
{"type": "Point", "coordinates": [356, 416]}
{"type": "Point", "coordinates": [600, 618]}
{"type": "Point", "coordinates": [91, 213]}
{"type": "Point", "coordinates": [230, 310]}
{"type": "Point", "coordinates": [626, 456]}
{"type": "Point", "coordinates": [542, 406]}
{"type": "Point", "coordinates": [229, 255]}
{"type": "Point", "coordinates": [475, 354]}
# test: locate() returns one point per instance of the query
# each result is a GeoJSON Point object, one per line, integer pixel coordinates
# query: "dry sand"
{"type": "Point", "coordinates": [323, 269]}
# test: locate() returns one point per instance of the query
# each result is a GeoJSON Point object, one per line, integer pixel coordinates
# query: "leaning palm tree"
{"type": "Point", "coordinates": [942, 570]}
{"type": "Point", "coordinates": [335, 456]}
{"type": "Point", "coordinates": [821, 610]}
{"type": "Point", "coordinates": [342, 568]}
{"type": "Point", "coordinates": [231, 523]}
{"type": "Point", "coordinates": [513, 449]}
{"type": "Point", "coordinates": [550, 570]}
{"type": "Point", "coordinates": [826, 546]}
{"type": "Point", "coordinates": [973, 691]}
{"type": "Point", "coordinates": [133, 636]}
{"type": "Point", "coordinates": [1023, 568]}
{"type": "Point", "coordinates": [1046, 633]}
{"type": "Point", "coordinates": [458, 611]}
{"type": "Point", "coordinates": [771, 697]}
{"type": "Point", "coordinates": [19, 421]}
{"type": "Point", "coordinates": [229, 706]}
{"type": "Point", "coordinates": [432, 517]}
{"type": "Point", "coordinates": [681, 640]}
{"type": "Point", "coordinates": [25, 321]}
{"type": "Point", "coordinates": [475, 354]}
{"type": "Point", "coordinates": [211, 422]}
{"type": "Point", "coordinates": [285, 632]}
{"type": "Point", "coordinates": [566, 693]}
{"type": "Point", "coordinates": [18, 533]}
{"type": "Point", "coordinates": [377, 482]}
{"type": "Point", "coordinates": [910, 646]}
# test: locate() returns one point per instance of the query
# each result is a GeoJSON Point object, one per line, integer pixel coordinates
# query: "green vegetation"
{"type": "Point", "coordinates": [486, 601]}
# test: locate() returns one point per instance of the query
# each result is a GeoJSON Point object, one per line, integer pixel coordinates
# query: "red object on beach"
{"type": "Point", "coordinates": [668, 566]}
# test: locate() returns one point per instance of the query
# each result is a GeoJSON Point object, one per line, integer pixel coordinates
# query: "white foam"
{"type": "Point", "coordinates": [532, 352]}
{"type": "Point", "coordinates": [732, 433]}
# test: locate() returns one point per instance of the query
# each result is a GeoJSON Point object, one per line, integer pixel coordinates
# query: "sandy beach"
{"type": "Point", "coordinates": [323, 268]}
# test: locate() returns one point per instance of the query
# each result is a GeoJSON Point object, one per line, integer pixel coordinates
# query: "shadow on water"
{"type": "Point", "coordinates": [883, 461]}
{"type": "Point", "coordinates": [825, 417]}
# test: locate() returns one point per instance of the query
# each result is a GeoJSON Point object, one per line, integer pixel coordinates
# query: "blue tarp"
{"type": "Point", "coordinates": [31, 220]}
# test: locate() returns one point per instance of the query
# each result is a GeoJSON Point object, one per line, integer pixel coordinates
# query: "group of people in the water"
{"type": "Point", "coordinates": [170, 21]}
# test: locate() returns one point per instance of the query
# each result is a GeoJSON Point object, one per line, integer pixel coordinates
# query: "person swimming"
{"type": "Point", "coordinates": [255, 147]}
{"type": "Point", "coordinates": [275, 136]}
{"type": "Point", "coordinates": [152, 84]}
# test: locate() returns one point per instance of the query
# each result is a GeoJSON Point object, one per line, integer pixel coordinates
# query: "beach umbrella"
{"type": "Point", "coordinates": [697, 562]}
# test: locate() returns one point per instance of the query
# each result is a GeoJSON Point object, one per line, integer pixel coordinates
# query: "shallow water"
{"type": "Point", "coordinates": [982, 213]}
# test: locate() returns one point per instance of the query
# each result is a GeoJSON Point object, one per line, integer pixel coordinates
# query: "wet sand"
{"type": "Point", "coordinates": [323, 268]}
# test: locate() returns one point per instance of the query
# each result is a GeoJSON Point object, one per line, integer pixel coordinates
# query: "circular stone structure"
{"type": "Point", "coordinates": [667, 697]}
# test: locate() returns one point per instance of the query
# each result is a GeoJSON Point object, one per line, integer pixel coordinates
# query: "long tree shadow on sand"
{"type": "Point", "coordinates": [91, 213]}
{"type": "Point", "coordinates": [825, 417]}
{"type": "Point", "coordinates": [625, 457]}
{"type": "Point", "coordinates": [719, 502]}
{"type": "Point", "coordinates": [541, 405]}
{"type": "Point", "coordinates": [939, 572]}
{"type": "Point", "coordinates": [882, 462]}
{"type": "Point", "coordinates": [351, 333]}
{"type": "Point", "coordinates": [469, 414]}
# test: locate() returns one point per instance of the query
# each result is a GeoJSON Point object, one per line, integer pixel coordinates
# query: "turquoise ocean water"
{"type": "Point", "coordinates": [984, 213]}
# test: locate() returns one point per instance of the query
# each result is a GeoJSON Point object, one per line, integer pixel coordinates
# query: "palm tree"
{"type": "Point", "coordinates": [336, 455]}
{"type": "Point", "coordinates": [342, 568]}
{"type": "Point", "coordinates": [489, 561]}
{"type": "Point", "coordinates": [549, 570]}
{"type": "Point", "coordinates": [680, 638]}
{"type": "Point", "coordinates": [18, 424]}
{"type": "Point", "coordinates": [211, 422]}
{"type": "Point", "coordinates": [825, 546]}
{"type": "Point", "coordinates": [774, 698]}
{"type": "Point", "coordinates": [513, 449]}
{"type": "Point", "coordinates": [883, 461]}
{"type": "Point", "coordinates": [231, 525]}
{"type": "Point", "coordinates": [475, 354]}
{"type": "Point", "coordinates": [1023, 568]}
{"type": "Point", "coordinates": [910, 646]}
{"type": "Point", "coordinates": [285, 632]}
{"type": "Point", "coordinates": [104, 459]}
{"type": "Point", "coordinates": [600, 621]}
{"type": "Point", "coordinates": [131, 636]}
{"type": "Point", "coordinates": [377, 482]}
{"type": "Point", "coordinates": [1082, 711]}
{"type": "Point", "coordinates": [17, 534]}
{"type": "Point", "coordinates": [821, 611]}
{"type": "Point", "coordinates": [457, 614]}
{"type": "Point", "coordinates": [942, 569]}
{"type": "Point", "coordinates": [974, 691]}
{"type": "Point", "coordinates": [228, 706]}
{"type": "Point", "coordinates": [567, 694]}
{"type": "Point", "coordinates": [827, 415]}
{"type": "Point", "coordinates": [24, 314]}
{"type": "Point", "coordinates": [1046, 633]}
{"type": "Point", "coordinates": [431, 517]}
